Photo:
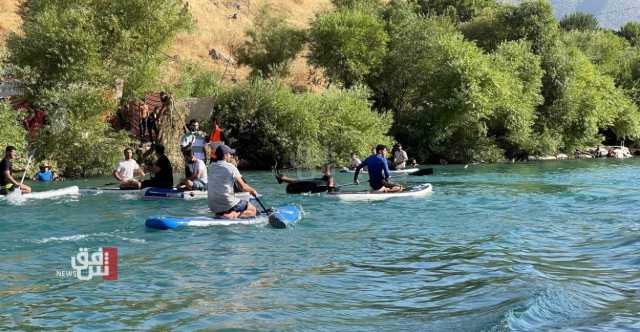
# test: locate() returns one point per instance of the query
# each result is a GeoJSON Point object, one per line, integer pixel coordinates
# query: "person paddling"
{"type": "Point", "coordinates": [126, 171]}
{"type": "Point", "coordinates": [355, 162]}
{"type": "Point", "coordinates": [7, 182]}
{"type": "Point", "coordinates": [378, 172]}
{"type": "Point", "coordinates": [195, 172]}
{"type": "Point", "coordinates": [221, 197]}
{"type": "Point", "coordinates": [162, 171]}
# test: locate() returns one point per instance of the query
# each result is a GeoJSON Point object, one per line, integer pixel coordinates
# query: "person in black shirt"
{"type": "Point", "coordinates": [162, 171]}
{"type": "Point", "coordinates": [7, 182]}
{"type": "Point", "coordinates": [324, 183]}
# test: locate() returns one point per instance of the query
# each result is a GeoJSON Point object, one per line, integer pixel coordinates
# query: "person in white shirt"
{"type": "Point", "coordinates": [195, 172]}
{"type": "Point", "coordinates": [355, 162]}
{"type": "Point", "coordinates": [400, 157]}
{"type": "Point", "coordinates": [126, 171]}
{"type": "Point", "coordinates": [220, 193]}
{"type": "Point", "coordinates": [194, 139]}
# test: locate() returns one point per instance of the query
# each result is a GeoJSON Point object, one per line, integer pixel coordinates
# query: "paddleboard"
{"type": "Point", "coordinates": [73, 190]}
{"type": "Point", "coordinates": [173, 193]}
{"type": "Point", "coordinates": [397, 171]}
{"type": "Point", "coordinates": [279, 218]}
{"type": "Point", "coordinates": [415, 191]}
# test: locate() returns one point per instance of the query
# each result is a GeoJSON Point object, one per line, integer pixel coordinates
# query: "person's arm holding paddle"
{"type": "Point", "coordinates": [245, 187]}
{"type": "Point", "coordinates": [362, 165]}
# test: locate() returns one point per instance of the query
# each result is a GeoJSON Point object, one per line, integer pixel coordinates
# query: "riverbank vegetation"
{"type": "Point", "coordinates": [456, 80]}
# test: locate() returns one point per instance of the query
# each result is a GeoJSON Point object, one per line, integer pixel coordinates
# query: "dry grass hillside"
{"type": "Point", "coordinates": [220, 26]}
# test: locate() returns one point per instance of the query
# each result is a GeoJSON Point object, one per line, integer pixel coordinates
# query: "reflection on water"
{"type": "Point", "coordinates": [529, 247]}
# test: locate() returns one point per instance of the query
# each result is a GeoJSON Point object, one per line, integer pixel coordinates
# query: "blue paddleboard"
{"type": "Point", "coordinates": [280, 217]}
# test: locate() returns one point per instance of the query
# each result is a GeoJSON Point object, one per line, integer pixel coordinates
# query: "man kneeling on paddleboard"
{"type": "Point", "coordinates": [126, 170]}
{"type": "Point", "coordinates": [195, 172]}
{"type": "Point", "coordinates": [7, 182]}
{"type": "Point", "coordinates": [378, 172]}
{"type": "Point", "coordinates": [162, 171]}
{"type": "Point", "coordinates": [220, 194]}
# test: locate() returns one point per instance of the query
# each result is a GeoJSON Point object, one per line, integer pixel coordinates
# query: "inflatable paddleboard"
{"type": "Point", "coordinates": [279, 218]}
{"type": "Point", "coordinates": [415, 191]}
{"type": "Point", "coordinates": [397, 171]}
{"type": "Point", "coordinates": [173, 193]}
{"type": "Point", "coordinates": [73, 190]}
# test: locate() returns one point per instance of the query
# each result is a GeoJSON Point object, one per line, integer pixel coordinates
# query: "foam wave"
{"type": "Point", "coordinates": [79, 237]}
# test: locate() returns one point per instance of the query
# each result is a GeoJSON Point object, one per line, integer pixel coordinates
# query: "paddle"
{"type": "Point", "coordinates": [274, 221]}
{"type": "Point", "coordinates": [26, 168]}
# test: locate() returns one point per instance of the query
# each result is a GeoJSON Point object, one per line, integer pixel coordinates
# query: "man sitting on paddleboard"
{"type": "Point", "coordinates": [220, 194]}
{"type": "Point", "coordinates": [126, 170]}
{"type": "Point", "coordinates": [325, 181]}
{"type": "Point", "coordinates": [162, 171]}
{"type": "Point", "coordinates": [378, 172]}
{"type": "Point", "coordinates": [46, 174]}
{"type": "Point", "coordinates": [7, 182]}
{"type": "Point", "coordinates": [195, 172]}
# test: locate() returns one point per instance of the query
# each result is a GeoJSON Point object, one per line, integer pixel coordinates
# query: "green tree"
{"type": "Point", "coordinates": [461, 10]}
{"type": "Point", "coordinates": [269, 123]}
{"type": "Point", "coordinates": [579, 21]}
{"type": "Point", "coordinates": [585, 102]}
{"type": "Point", "coordinates": [348, 44]}
{"type": "Point", "coordinates": [514, 117]}
{"type": "Point", "coordinates": [444, 91]}
{"type": "Point", "coordinates": [96, 41]}
{"type": "Point", "coordinates": [271, 46]}
{"type": "Point", "coordinates": [631, 32]}
{"type": "Point", "coordinates": [11, 130]}
{"type": "Point", "coordinates": [76, 134]}
{"type": "Point", "coordinates": [195, 81]}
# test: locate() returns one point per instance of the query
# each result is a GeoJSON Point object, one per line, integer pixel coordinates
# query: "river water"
{"type": "Point", "coordinates": [526, 247]}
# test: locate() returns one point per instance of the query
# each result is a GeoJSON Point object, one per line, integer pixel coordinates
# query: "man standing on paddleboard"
{"type": "Point", "coordinates": [220, 194]}
{"type": "Point", "coordinates": [378, 172]}
{"type": "Point", "coordinates": [7, 182]}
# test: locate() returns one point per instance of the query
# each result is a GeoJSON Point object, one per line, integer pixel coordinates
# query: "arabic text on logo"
{"type": "Point", "coordinates": [102, 263]}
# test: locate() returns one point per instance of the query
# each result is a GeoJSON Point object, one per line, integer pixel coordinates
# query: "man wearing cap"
{"type": "Point", "coordinates": [7, 182]}
{"type": "Point", "coordinates": [221, 196]}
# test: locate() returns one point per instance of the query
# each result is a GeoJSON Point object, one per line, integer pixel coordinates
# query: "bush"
{"type": "Point", "coordinates": [11, 130]}
{"type": "Point", "coordinates": [271, 46]}
{"type": "Point", "coordinates": [196, 81]}
{"type": "Point", "coordinates": [76, 135]}
{"type": "Point", "coordinates": [268, 123]}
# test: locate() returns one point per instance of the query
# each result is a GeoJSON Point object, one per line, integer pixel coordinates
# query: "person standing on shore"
{"type": "Point", "coordinates": [7, 182]}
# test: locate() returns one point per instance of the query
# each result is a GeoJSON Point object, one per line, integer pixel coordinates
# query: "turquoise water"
{"type": "Point", "coordinates": [528, 247]}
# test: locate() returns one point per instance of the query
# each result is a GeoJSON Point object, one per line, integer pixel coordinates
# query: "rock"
{"type": "Point", "coordinates": [561, 156]}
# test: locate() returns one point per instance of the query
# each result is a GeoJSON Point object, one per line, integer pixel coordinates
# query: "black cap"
{"type": "Point", "coordinates": [223, 149]}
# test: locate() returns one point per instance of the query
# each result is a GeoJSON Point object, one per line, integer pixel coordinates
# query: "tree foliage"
{"type": "Point", "coordinates": [271, 46]}
{"type": "Point", "coordinates": [348, 44]}
{"type": "Point", "coordinates": [579, 21]}
{"type": "Point", "coordinates": [461, 10]}
{"type": "Point", "coordinates": [631, 32]}
{"type": "Point", "coordinates": [268, 123]}
{"type": "Point", "coordinates": [11, 130]}
{"type": "Point", "coordinates": [76, 134]}
{"type": "Point", "coordinates": [96, 41]}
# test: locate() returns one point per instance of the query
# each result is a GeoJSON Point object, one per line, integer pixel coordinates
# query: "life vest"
{"type": "Point", "coordinates": [216, 135]}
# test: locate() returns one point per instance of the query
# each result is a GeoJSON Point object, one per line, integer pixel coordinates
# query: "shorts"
{"type": "Point", "coordinates": [377, 186]}
{"type": "Point", "coordinates": [197, 184]}
{"type": "Point", "coordinates": [7, 190]}
{"type": "Point", "coordinates": [240, 207]}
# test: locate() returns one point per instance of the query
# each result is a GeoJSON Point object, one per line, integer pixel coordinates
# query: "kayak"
{"type": "Point", "coordinates": [415, 191]}
{"type": "Point", "coordinates": [397, 171]}
{"type": "Point", "coordinates": [278, 218]}
{"type": "Point", "coordinates": [73, 190]}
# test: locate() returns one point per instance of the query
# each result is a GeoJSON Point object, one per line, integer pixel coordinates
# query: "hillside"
{"type": "Point", "coordinates": [220, 25]}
